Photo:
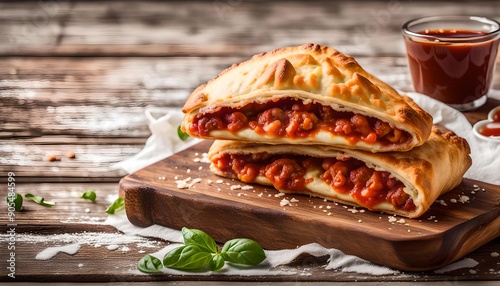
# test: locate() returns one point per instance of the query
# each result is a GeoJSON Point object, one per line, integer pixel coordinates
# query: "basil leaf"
{"type": "Point", "coordinates": [243, 251]}
{"type": "Point", "coordinates": [182, 135]}
{"type": "Point", "coordinates": [149, 264]}
{"type": "Point", "coordinates": [117, 205]}
{"type": "Point", "coordinates": [89, 195]}
{"type": "Point", "coordinates": [187, 257]}
{"type": "Point", "coordinates": [216, 263]}
{"type": "Point", "coordinates": [200, 239]}
{"type": "Point", "coordinates": [39, 200]}
{"type": "Point", "coordinates": [16, 200]}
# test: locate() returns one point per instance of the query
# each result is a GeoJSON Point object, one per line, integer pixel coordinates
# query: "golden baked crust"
{"type": "Point", "coordinates": [427, 171]}
{"type": "Point", "coordinates": [311, 73]}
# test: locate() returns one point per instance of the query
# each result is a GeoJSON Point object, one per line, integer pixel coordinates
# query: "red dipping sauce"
{"type": "Point", "coordinates": [452, 73]}
{"type": "Point", "coordinates": [492, 129]}
{"type": "Point", "coordinates": [452, 65]}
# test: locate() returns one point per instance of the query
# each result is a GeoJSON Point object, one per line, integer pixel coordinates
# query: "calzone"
{"type": "Point", "coordinates": [308, 94]}
{"type": "Point", "coordinates": [402, 183]}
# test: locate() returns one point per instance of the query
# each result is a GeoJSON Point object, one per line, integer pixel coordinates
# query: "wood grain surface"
{"type": "Point", "coordinates": [79, 75]}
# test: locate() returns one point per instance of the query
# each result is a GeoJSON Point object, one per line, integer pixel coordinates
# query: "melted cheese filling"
{"type": "Point", "coordinates": [320, 137]}
{"type": "Point", "coordinates": [294, 120]}
{"type": "Point", "coordinates": [344, 179]}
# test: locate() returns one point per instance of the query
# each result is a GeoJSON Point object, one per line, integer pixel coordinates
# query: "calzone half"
{"type": "Point", "coordinates": [308, 94]}
{"type": "Point", "coordinates": [403, 183]}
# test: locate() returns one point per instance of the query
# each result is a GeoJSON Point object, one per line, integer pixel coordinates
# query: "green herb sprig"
{"type": "Point", "coordinates": [39, 200]}
{"type": "Point", "coordinates": [201, 252]}
{"type": "Point", "coordinates": [89, 195]}
{"type": "Point", "coordinates": [149, 264]}
{"type": "Point", "coordinates": [117, 205]}
{"type": "Point", "coordinates": [15, 201]}
{"type": "Point", "coordinates": [182, 135]}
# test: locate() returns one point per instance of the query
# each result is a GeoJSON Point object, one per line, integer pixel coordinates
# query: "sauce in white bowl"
{"type": "Point", "coordinates": [489, 129]}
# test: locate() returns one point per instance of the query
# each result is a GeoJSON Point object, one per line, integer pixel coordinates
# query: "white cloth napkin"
{"type": "Point", "coordinates": [163, 141]}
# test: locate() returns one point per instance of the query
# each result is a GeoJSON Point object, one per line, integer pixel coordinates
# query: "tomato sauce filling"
{"type": "Point", "coordinates": [292, 118]}
{"type": "Point", "coordinates": [346, 176]}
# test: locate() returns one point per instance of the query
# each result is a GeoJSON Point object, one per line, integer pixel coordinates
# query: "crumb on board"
{"type": "Point", "coordinates": [442, 202]}
{"type": "Point", "coordinates": [353, 210]}
{"type": "Point", "coordinates": [284, 202]}
{"type": "Point", "coordinates": [463, 199]}
{"type": "Point", "coordinates": [394, 219]}
{"type": "Point", "coordinates": [187, 183]}
{"type": "Point", "coordinates": [203, 159]}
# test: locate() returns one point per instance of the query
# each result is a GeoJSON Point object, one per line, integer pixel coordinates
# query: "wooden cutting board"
{"type": "Point", "coordinates": [180, 191]}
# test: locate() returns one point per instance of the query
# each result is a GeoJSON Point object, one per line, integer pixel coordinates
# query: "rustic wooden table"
{"type": "Point", "coordinates": [78, 76]}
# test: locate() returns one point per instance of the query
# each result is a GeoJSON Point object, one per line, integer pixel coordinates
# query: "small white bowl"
{"type": "Point", "coordinates": [480, 125]}
{"type": "Point", "coordinates": [492, 112]}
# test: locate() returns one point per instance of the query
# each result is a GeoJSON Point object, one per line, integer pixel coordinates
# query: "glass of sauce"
{"type": "Point", "coordinates": [452, 58]}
